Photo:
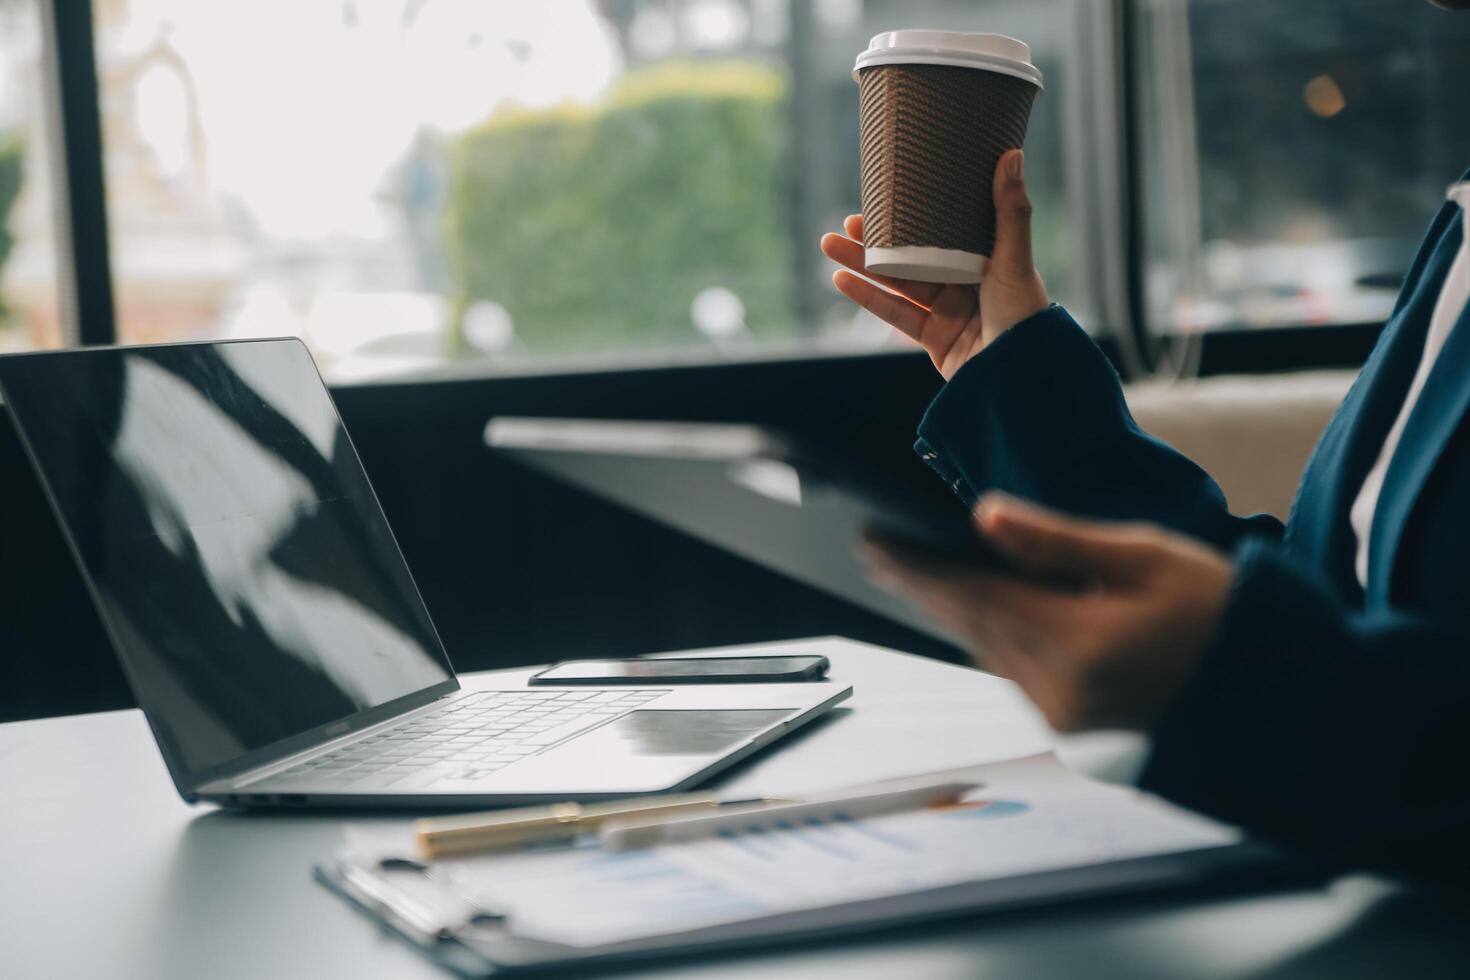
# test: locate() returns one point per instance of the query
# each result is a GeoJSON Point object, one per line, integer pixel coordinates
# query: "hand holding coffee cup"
{"type": "Point", "coordinates": [944, 194]}
{"type": "Point", "coordinates": [938, 111]}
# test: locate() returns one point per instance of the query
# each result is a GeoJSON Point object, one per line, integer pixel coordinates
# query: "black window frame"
{"type": "Point", "coordinates": [84, 279]}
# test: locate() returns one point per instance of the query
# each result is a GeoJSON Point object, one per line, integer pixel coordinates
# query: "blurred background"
{"type": "Point", "coordinates": [412, 183]}
{"type": "Point", "coordinates": [610, 209]}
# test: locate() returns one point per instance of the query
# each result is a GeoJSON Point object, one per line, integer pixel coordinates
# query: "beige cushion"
{"type": "Point", "coordinates": [1252, 433]}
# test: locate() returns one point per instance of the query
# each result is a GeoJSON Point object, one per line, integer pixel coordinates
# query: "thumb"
{"type": "Point", "coordinates": [1012, 254]}
{"type": "Point", "coordinates": [1056, 547]}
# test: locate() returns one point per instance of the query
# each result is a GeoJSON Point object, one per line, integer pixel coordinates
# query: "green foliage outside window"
{"type": "Point", "coordinates": [597, 227]}
{"type": "Point", "coordinates": [12, 156]}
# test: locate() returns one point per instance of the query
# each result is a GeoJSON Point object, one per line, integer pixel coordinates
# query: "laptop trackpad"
{"type": "Point", "coordinates": [702, 732]}
{"type": "Point", "coordinates": [648, 749]}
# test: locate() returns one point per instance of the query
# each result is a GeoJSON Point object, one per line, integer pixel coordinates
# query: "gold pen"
{"type": "Point", "coordinates": [509, 829]}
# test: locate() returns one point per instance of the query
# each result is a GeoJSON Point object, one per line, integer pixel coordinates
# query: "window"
{"type": "Point", "coordinates": [1293, 154]}
{"type": "Point", "coordinates": [406, 183]}
{"type": "Point", "coordinates": [29, 312]}
{"type": "Point", "coordinates": [828, 183]}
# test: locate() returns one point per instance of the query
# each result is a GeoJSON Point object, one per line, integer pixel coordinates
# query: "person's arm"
{"type": "Point", "coordinates": [1040, 414]}
{"type": "Point", "coordinates": [1031, 405]}
{"type": "Point", "coordinates": [1339, 732]}
{"type": "Point", "coordinates": [1271, 706]}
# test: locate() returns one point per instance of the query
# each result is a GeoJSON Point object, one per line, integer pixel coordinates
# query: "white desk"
{"type": "Point", "coordinates": [105, 873]}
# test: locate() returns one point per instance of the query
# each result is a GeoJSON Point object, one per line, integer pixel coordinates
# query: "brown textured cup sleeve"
{"type": "Point", "coordinates": [931, 136]}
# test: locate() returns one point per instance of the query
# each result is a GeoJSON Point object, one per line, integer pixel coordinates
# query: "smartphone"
{"type": "Point", "coordinates": [688, 670]}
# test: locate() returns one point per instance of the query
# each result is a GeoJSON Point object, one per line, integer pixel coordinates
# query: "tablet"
{"type": "Point", "coordinates": [791, 506]}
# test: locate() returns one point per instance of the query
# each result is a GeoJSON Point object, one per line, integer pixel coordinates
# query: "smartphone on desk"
{"type": "Point", "coordinates": [686, 670]}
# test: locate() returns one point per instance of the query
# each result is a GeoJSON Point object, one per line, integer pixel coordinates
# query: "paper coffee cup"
{"type": "Point", "coordinates": [938, 111]}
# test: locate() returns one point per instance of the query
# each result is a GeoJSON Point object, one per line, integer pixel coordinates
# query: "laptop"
{"type": "Point", "coordinates": [268, 624]}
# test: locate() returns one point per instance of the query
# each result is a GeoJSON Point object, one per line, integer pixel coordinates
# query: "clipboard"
{"type": "Point", "coordinates": [434, 905]}
{"type": "Point", "coordinates": [488, 948]}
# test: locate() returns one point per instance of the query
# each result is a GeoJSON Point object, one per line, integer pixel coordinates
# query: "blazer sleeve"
{"type": "Point", "coordinates": [1339, 732]}
{"type": "Point", "coordinates": [1040, 414]}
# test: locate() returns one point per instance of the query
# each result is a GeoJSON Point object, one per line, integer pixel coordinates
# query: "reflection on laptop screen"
{"type": "Point", "coordinates": [240, 559]}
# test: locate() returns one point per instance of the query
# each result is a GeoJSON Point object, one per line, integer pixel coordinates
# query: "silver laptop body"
{"type": "Point", "coordinates": [268, 624]}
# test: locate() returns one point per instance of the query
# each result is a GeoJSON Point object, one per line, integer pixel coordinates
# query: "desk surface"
{"type": "Point", "coordinates": [107, 873]}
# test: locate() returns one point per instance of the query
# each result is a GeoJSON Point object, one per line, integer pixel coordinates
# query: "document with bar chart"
{"type": "Point", "coordinates": [1032, 833]}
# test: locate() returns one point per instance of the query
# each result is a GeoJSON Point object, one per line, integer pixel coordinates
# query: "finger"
{"type": "Point", "coordinates": [1005, 634]}
{"type": "Point", "coordinates": [1058, 546]}
{"type": "Point", "coordinates": [849, 252]}
{"type": "Point", "coordinates": [954, 305]}
{"type": "Point", "coordinates": [1011, 651]}
{"type": "Point", "coordinates": [880, 547]}
{"type": "Point", "coordinates": [928, 578]}
{"type": "Point", "coordinates": [937, 588]}
{"type": "Point", "coordinates": [853, 225]}
{"type": "Point", "coordinates": [897, 311]}
{"type": "Point", "coordinates": [998, 639]}
{"type": "Point", "coordinates": [1012, 257]}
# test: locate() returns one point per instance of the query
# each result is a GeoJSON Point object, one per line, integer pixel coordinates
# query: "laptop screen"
{"type": "Point", "coordinates": [238, 554]}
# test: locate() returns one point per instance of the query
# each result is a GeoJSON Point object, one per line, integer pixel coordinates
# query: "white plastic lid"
{"type": "Point", "coordinates": [991, 52]}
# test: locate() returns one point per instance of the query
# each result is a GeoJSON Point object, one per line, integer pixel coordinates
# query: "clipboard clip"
{"type": "Point", "coordinates": [403, 893]}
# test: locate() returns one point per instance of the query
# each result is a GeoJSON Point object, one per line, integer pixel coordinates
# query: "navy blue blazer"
{"type": "Point", "coordinates": [1327, 716]}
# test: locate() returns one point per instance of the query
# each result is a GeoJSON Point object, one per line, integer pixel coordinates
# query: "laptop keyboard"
{"type": "Point", "coordinates": [465, 740]}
